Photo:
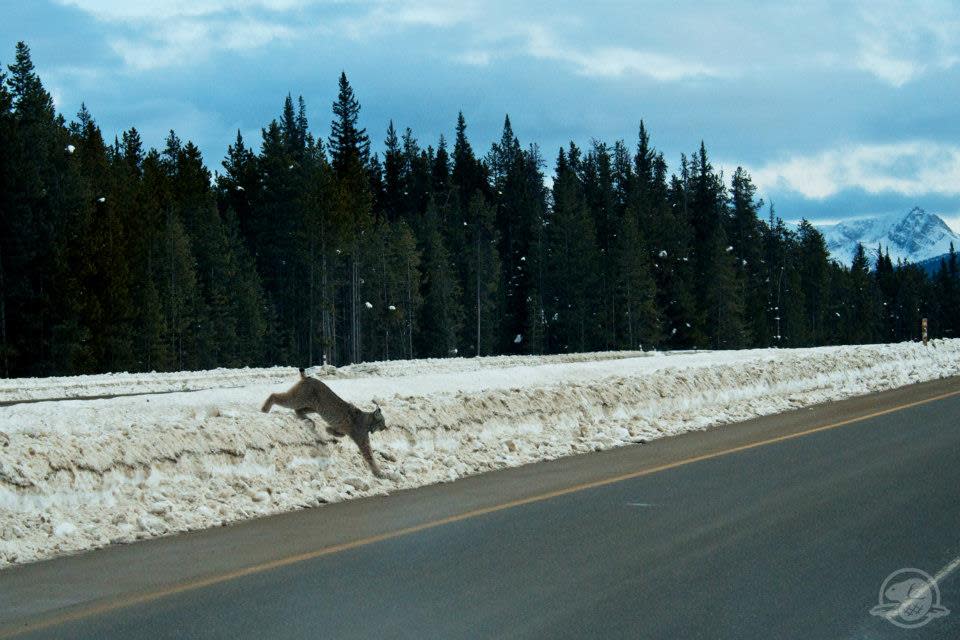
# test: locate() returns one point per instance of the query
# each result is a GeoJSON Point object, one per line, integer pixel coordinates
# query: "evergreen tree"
{"type": "Point", "coordinates": [814, 276]}
{"type": "Point", "coordinates": [468, 174]}
{"type": "Point", "coordinates": [441, 314]}
{"type": "Point", "coordinates": [484, 275]}
{"type": "Point", "coordinates": [572, 263]}
{"type": "Point", "coordinates": [393, 175]}
{"type": "Point", "coordinates": [636, 289]}
{"type": "Point", "coordinates": [862, 322]}
{"type": "Point", "coordinates": [238, 188]}
{"type": "Point", "coordinates": [349, 149]}
{"type": "Point", "coordinates": [349, 144]}
{"type": "Point", "coordinates": [745, 233]}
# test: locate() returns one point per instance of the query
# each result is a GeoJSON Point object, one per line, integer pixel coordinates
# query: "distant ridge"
{"type": "Point", "coordinates": [932, 265]}
{"type": "Point", "coordinates": [916, 236]}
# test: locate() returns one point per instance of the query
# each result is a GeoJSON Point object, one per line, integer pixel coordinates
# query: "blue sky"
{"type": "Point", "coordinates": [838, 110]}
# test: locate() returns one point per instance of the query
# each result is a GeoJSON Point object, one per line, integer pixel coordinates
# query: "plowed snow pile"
{"type": "Point", "coordinates": [192, 450]}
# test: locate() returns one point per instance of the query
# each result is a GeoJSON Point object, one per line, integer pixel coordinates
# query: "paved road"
{"type": "Point", "coordinates": [775, 528]}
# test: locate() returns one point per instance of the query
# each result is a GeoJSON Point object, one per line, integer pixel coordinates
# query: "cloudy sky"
{"type": "Point", "coordinates": [839, 110]}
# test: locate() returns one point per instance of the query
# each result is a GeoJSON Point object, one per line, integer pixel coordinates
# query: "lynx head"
{"type": "Point", "coordinates": [376, 421]}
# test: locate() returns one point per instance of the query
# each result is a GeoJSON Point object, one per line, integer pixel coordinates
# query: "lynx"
{"type": "Point", "coordinates": [310, 395]}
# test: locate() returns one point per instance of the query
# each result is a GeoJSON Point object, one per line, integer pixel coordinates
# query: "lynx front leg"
{"type": "Point", "coordinates": [363, 443]}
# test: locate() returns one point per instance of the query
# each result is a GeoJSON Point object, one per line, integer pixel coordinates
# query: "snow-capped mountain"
{"type": "Point", "coordinates": [914, 236]}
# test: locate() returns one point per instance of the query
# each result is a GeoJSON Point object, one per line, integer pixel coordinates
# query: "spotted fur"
{"type": "Point", "coordinates": [310, 395]}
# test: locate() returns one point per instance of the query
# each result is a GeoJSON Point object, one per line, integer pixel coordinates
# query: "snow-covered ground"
{"type": "Point", "coordinates": [182, 451]}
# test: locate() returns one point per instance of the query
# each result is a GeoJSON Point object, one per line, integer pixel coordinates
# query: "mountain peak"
{"type": "Point", "coordinates": [914, 236]}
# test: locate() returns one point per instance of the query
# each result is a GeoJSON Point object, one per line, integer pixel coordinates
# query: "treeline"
{"type": "Point", "coordinates": [314, 249]}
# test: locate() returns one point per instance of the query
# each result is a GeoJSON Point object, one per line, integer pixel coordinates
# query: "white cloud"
{"type": "Point", "coordinates": [185, 41]}
{"type": "Point", "coordinates": [875, 58]}
{"type": "Point", "coordinates": [158, 10]}
{"type": "Point", "coordinates": [177, 32]}
{"type": "Point", "coordinates": [385, 16]}
{"type": "Point", "coordinates": [898, 43]}
{"type": "Point", "coordinates": [907, 168]}
{"type": "Point", "coordinates": [475, 58]}
{"type": "Point", "coordinates": [894, 43]}
{"type": "Point", "coordinates": [613, 61]}
{"type": "Point", "coordinates": [540, 42]}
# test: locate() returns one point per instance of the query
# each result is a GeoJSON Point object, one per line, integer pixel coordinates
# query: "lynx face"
{"type": "Point", "coordinates": [376, 421]}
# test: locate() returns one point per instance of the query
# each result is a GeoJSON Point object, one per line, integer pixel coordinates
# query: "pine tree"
{"type": "Point", "coordinates": [862, 322]}
{"type": "Point", "coordinates": [238, 188]}
{"type": "Point", "coordinates": [441, 313]}
{"type": "Point", "coordinates": [636, 289]}
{"type": "Point", "coordinates": [6, 188]}
{"type": "Point", "coordinates": [724, 297]}
{"type": "Point", "coordinates": [468, 174]}
{"type": "Point", "coordinates": [675, 267]}
{"type": "Point", "coordinates": [406, 266]}
{"type": "Point", "coordinates": [572, 260]}
{"type": "Point", "coordinates": [745, 234]}
{"type": "Point", "coordinates": [349, 149]}
{"type": "Point", "coordinates": [601, 201]}
{"type": "Point", "coordinates": [393, 175]}
{"type": "Point", "coordinates": [32, 218]}
{"type": "Point", "coordinates": [349, 144]}
{"type": "Point", "coordinates": [814, 275]}
{"type": "Point", "coordinates": [484, 275]}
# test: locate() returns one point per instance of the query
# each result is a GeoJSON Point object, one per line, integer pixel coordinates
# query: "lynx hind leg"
{"type": "Point", "coordinates": [302, 415]}
{"type": "Point", "coordinates": [271, 399]}
{"type": "Point", "coordinates": [363, 443]}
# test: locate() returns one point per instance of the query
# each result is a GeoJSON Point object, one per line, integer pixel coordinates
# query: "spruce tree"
{"type": "Point", "coordinates": [572, 263]}
{"type": "Point", "coordinates": [484, 275]}
{"type": "Point", "coordinates": [745, 235]}
{"type": "Point", "coordinates": [814, 274]}
{"type": "Point", "coordinates": [635, 289]}
{"type": "Point", "coordinates": [441, 314]}
{"type": "Point", "coordinates": [349, 150]}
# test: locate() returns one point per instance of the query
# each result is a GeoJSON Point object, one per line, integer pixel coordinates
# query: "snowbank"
{"type": "Point", "coordinates": [82, 473]}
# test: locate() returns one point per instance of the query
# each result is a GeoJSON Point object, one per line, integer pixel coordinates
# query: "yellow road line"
{"type": "Point", "coordinates": [310, 555]}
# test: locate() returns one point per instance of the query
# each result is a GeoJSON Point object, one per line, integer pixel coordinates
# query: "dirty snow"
{"type": "Point", "coordinates": [182, 451]}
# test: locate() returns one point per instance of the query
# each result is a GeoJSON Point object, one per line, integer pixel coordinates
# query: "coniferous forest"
{"type": "Point", "coordinates": [304, 248]}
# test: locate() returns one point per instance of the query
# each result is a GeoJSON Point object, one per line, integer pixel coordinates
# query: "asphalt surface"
{"type": "Point", "coordinates": [781, 527]}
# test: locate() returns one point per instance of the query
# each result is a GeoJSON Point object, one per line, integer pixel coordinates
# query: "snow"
{"type": "Point", "coordinates": [392, 308]}
{"type": "Point", "coordinates": [101, 199]}
{"type": "Point", "coordinates": [368, 305]}
{"type": "Point", "coordinates": [914, 236]}
{"type": "Point", "coordinates": [70, 148]}
{"type": "Point", "coordinates": [82, 473]}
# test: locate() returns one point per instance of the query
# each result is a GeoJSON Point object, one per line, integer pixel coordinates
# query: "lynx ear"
{"type": "Point", "coordinates": [302, 374]}
{"type": "Point", "coordinates": [377, 412]}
